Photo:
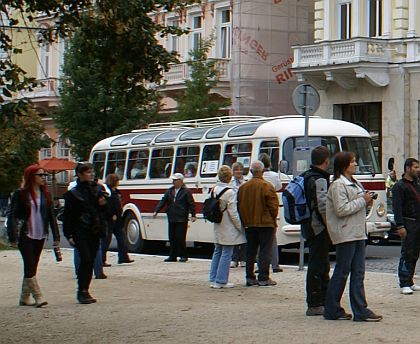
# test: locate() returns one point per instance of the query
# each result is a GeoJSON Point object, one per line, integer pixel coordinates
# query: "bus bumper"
{"type": "Point", "coordinates": [378, 229]}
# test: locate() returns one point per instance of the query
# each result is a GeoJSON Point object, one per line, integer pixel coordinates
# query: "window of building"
{"type": "Point", "coordinates": [375, 18]}
{"type": "Point", "coordinates": [173, 45]}
{"type": "Point", "coordinates": [271, 148]}
{"type": "Point", "coordinates": [63, 148]}
{"type": "Point", "coordinates": [45, 153]}
{"type": "Point", "coordinates": [45, 61]}
{"type": "Point", "coordinates": [225, 42]}
{"type": "Point", "coordinates": [138, 161]}
{"type": "Point", "coordinates": [196, 32]}
{"type": "Point", "coordinates": [116, 163]}
{"type": "Point", "coordinates": [186, 161]}
{"type": "Point", "coordinates": [161, 164]}
{"type": "Point", "coordinates": [238, 152]}
{"type": "Point", "coordinates": [98, 163]}
{"type": "Point", "coordinates": [210, 161]}
{"type": "Point", "coordinates": [344, 16]}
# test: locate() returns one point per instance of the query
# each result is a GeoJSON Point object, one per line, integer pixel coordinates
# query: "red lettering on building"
{"type": "Point", "coordinates": [285, 76]}
{"type": "Point", "coordinates": [243, 38]}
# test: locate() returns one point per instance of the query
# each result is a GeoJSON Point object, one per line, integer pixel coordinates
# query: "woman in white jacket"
{"type": "Point", "coordinates": [227, 233]}
{"type": "Point", "coordinates": [346, 216]}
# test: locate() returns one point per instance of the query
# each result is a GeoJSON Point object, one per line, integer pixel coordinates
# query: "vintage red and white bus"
{"type": "Point", "coordinates": [145, 159]}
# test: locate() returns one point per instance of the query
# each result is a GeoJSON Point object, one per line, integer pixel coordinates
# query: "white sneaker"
{"type": "Point", "coordinates": [220, 285]}
{"type": "Point", "coordinates": [212, 284]}
{"type": "Point", "coordinates": [233, 264]}
{"type": "Point", "coordinates": [415, 287]}
{"type": "Point", "coordinates": [406, 290]}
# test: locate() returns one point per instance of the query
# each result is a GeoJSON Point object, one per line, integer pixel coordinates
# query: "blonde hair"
{"type": "Point", "coordinates": [224, 174]}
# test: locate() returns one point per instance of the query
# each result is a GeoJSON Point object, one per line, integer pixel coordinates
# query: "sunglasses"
{"type": "Point", "coordinates": [41, 174]}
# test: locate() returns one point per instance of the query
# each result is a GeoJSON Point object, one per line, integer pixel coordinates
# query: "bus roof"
{"type": "Point", "coordinates": [282, 127]}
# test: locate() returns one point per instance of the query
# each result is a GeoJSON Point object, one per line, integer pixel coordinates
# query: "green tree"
{"type": "Point", "coordinates": [197, 101]}
{"type": "Point", "coordinates": [113, 59]}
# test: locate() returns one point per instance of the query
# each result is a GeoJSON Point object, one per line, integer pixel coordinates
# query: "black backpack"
{"type": "Point", "coordinates": [211, 207]}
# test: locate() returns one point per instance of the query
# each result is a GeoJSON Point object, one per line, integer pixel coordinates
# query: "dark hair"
{"type": "Point", "coordinates": [82, 167]}
{"type": "Point", "coordinates": [342, 160]}
{"type": "Point", "coordinates": [112, 180]}
{"type": "Point", "coordinates": [29, 182]}
{"type": "Point", "coordinates": [265, 159]}
{"type": "Point", "coordinates": [409, 163]}
{"type": "Point", "coordinates": [319, 155]}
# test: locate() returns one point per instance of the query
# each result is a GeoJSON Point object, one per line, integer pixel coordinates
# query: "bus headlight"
{"type": "Point", "coordinates": [380, 209]}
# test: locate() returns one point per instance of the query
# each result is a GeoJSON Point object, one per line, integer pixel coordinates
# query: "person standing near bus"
{"type": "Point", "coordinates": [179, 202]}
{"type": "Point", "coordinates": [258, 206]}
{"type": "Point", "coordinates": [406, 205]}
{"type": "Point", "coordinates": [346, 223]}
{"type": "Point", "coordinates": [84, 225]}
{"type": "Point", "coordinates": [31, 213]}
{"type": "Point", "coordinates": [315, 232]}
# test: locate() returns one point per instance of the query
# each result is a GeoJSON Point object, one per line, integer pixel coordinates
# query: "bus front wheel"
{"type": "Point", "coordinates": [132, 228]}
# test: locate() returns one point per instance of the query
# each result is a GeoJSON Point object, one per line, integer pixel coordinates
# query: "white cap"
{"type": "Point", "coordinates": [177, 176]}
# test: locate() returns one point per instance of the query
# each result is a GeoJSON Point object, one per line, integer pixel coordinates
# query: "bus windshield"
{"type": "Point", "coordinates": [367, 162]}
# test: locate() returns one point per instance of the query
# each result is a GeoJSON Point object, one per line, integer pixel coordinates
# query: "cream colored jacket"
{"type": "Point", "coordinates": [346, 211]}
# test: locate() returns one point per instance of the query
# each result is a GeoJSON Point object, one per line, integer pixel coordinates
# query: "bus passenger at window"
{"type": "Point", "coordinates": [179, 203]}
{"type": "Point", "coordinates": [138, 170]}
{"type": "Point", "coordinates": [190, 169]}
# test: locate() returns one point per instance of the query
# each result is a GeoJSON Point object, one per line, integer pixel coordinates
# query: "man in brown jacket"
{"type": "Point", "coordinates": [258, 206]}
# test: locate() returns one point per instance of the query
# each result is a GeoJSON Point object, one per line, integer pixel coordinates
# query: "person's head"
{"type": "Point", "coordinates": [84, 172]}
{"type": "Point", "coordinates": [237, 170]}
{"type": "Point", "coordinates": [257, 168]}
{"type": "Point", "coordinates": [224, 174]}
{"type": "Point", "coordinates": [265, 159]}
{"type": "Point", "coordinates": [393, 175]}
{"type": "Point", "coordinates": [112, 180]}
{"type": "Point", "coordinates": [344, 164]}
{"type": "Point", "coordinates": [411, 168]}
{"type": "Point", "coordinates": [33, 180]}
{"type": "Point", "coordinates": [177, 180]}
{"type": "Point", "coordinates": [320, 157]}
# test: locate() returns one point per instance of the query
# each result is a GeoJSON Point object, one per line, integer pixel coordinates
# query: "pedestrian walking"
{"type": "Point", "coordinates": [84, 225]}
{"type": "Point", "coordinates": [179, 203]}
{"type": "Point", "coordinates": [390, 181]}
{"type": "Point", "coordinates": [346, 217]}
{"type": "Point", "coordinates": [227, 233]}
{"type": "Point", "coordinates": [115, 222]}
{"type": "Point", "coordinates": [239, 251]}
{"type": "Point", "coordinates": [30, 217]}
{"type": "Point", "coordinates": [406, 205]}
{"type": "Point", "coordinates": [315, 232]}
{"type": "Point", "coordinates": [258, 207]}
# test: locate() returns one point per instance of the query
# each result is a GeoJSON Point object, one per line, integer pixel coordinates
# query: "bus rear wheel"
{"type": "Point", "coordinates": [132, 228]}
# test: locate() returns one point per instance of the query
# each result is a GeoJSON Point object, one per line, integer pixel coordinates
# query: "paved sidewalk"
{"type": "Point", "coordinates": [154, 302]}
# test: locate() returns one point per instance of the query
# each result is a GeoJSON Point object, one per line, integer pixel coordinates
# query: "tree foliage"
{"type": "Point", "coordinates": [113, 60]}
{"type": "Point", "coordinates": [197, 101]}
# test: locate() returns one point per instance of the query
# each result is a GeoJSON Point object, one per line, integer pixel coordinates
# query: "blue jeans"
{"type": "Point", "coordinates": [350, 259]}
{"type": "Point", "coordinates": [220, 263]}
{"type": "Point", "coordinates": [97, 267]}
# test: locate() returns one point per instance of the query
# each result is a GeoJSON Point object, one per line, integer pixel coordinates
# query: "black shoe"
{"type": "Point", "coordinates": [85, 298]}
{"type": "Point", "coordinates": [101, 276]}
{"type": "Point", "coordinates": [372, 317]}
{"type": "Point", "coordinates": [314, 311]}
{"type": "Point", "coordinates": [106, 265]}
{"type": "Point", "coordinates": [267, 283]}
{"type": "Point", "coordinates": [277, 270]}
{"type": "Point", "coordinates": [183, 259]}
{"type": "Point", "coordinates": [252, 282]}
{"type": "Point", "coordinates": [170, 259]}
{"type": "Point", "coordinates": [126, 261]}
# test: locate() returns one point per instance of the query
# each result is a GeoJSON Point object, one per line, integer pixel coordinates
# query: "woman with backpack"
{"type": "Point", "coordinates": [227, 233]}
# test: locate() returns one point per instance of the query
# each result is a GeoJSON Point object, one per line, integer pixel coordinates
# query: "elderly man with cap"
{"type": "Point", "coordinates": [179, 203]}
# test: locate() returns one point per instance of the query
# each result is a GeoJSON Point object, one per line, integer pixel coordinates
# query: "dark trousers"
{"type": "Point", "coordinates": [177, 232]}
{"type": "Point", "coordinates": [87, 245]}
{"type": "Point", "coordinates": [121, 242]}
{"type": "Point", "coordinates": [239, 253]}
{"type": "Point", "coordinates": [317, 276]}
{"type": "Point", "coordinates": [410, 249]}
{"type": "Point", "coordinates": [262, 238]}
{"type": "Point", "coordinates": [350, 260]}
{"type": "Point", "coordinates": [30, 249]}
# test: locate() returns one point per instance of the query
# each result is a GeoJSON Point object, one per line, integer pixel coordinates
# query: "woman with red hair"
{"type": "Point", "coordinates": [31, 214]}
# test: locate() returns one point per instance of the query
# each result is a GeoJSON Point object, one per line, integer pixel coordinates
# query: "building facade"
{"type": "Point", "coordinates": [365, 62]}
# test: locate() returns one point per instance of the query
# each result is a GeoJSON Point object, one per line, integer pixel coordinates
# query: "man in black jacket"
{"type": "Point", "coordinates": [406, 206]}
{"type": "Point", "coordinates": [179, 203]}
{"type": "Point", "coordinates": [317, 181]}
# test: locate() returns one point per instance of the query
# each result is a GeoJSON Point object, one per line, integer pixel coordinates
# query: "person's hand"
{"type": "Point", "coordinates": [193, 219]}
{"type": "Point", "coordinates": [368, 198]}
{"type": "Point", "coordinates": [155, 214]}
{"type": "Point", "coordinates": [56, 243]}
{"type": "Point", "coordinates": [114, 218]}
{"type": "Point", "coordinates": [71, 242]}
{"type": "Point", "coordinates": [402, 232]}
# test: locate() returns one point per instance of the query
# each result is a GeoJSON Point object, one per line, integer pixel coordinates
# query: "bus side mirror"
{"type": "Point", "coordinates": [284, 166]}
{"type": "Point", "coordinates": [391, 164]}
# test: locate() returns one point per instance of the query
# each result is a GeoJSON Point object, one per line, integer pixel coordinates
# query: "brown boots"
{"type": "Point", "coordinates": [30, 285]}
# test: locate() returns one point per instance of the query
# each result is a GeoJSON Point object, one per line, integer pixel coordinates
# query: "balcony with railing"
{"type": "Point", "coordinates": [352, 59]}
{"type": "Point", "coordinates": [46, 91]}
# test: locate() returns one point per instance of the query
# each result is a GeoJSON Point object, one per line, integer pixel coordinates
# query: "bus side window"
{"type": "Point", "coordinates": [210, 161]}
{"type": "Point", "coordinates": [187, 160]}
{"type": "Point", "coordinates": [137, 164]}
{"type": "Point", "coordinates": [161, 163]}
{"type": "Point", "coordinates": [271, 148]}
{"type": "Point", "coordinates": [116, 163]}
{"type": "Point", "coordinates": [98, 163]}
{"type": "Point", "coordinates": [238, 152]}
